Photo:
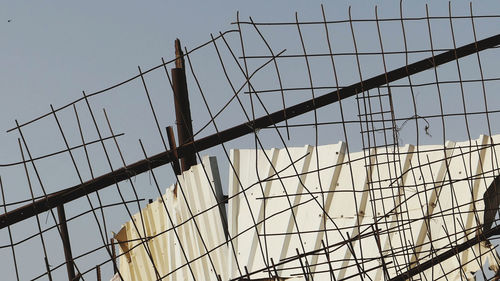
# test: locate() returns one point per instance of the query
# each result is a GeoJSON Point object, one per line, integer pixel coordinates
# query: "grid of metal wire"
{"type": "Point", "coordinates": [371, 82]}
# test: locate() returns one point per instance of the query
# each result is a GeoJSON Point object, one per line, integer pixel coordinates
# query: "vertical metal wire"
{"type": "Point", "coordinates": [116, 184]}
{"type": "Point", "coordinates": [44, 248]}
{"type": "Point", "coordinates": [91, 175]}
{"type": "Point", "coordinates": [9, 230]}
{"type": "Point", "coordinates": [263, 248]}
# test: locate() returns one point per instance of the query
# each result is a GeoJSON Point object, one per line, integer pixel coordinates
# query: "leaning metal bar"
{"type": "Point", "coordinates": [77, 191]}
{"type": "Point", "coordinates": [446, 255]}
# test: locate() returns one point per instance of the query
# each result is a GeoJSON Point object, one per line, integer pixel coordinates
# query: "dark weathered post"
{"type": "Point", "coordinates": [63, 228]}
{"type": "Point", "coordinates": [113, 255]}
{"type": "Point", "coordinates": [98, 272]}
{"type": "Point", "coordinates": [173, 147]}
{"type": "Point", "coordinates": [182, 110]}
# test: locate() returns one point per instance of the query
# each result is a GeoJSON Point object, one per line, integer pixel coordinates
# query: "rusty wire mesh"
{"type": "Point", "coordinates": [240, 75]}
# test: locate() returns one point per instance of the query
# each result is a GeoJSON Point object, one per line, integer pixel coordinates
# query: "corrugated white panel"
{"type": "Point", "coordinates": [405, 205]}
{"type": "Point", "coordinates": [174, 229]}
{"type": "Point", "coordinates": [419, 201]}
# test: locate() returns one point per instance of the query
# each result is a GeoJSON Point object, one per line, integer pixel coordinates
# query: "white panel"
{"type": "Point", "coordinates": [183, 225]}
{"type": "Point", "coordinates": [385, 190]}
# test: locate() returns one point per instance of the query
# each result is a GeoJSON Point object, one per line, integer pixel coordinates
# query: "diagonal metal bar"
{"type": "Point", "coordinates": [446, 255]}
{"type": "Point", "coordinates": [69, 194]}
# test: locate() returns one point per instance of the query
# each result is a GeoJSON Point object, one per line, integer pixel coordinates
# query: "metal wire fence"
{"type": "Point", "coordinates": [376, 84]}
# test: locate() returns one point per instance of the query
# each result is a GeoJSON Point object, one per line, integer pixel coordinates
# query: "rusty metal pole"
{"type": "Point", "coordinates": [63, 227]}
{"type": "Point", "coordinates": [182, 110]}
{"type": "Point", "coordinates": [98, 272]}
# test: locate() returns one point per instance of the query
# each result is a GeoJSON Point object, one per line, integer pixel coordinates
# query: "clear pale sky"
{"type": "Point", "coordinates": [51, 51]}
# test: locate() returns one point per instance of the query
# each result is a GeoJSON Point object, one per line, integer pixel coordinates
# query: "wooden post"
{"type": "Point", "coordinates": [182, 110]}
{"type": "Point", "coordinates": [63, 228]}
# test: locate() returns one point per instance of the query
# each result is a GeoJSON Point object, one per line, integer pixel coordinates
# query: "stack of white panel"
{"type": "Point", "coordinates": [319, 211]}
